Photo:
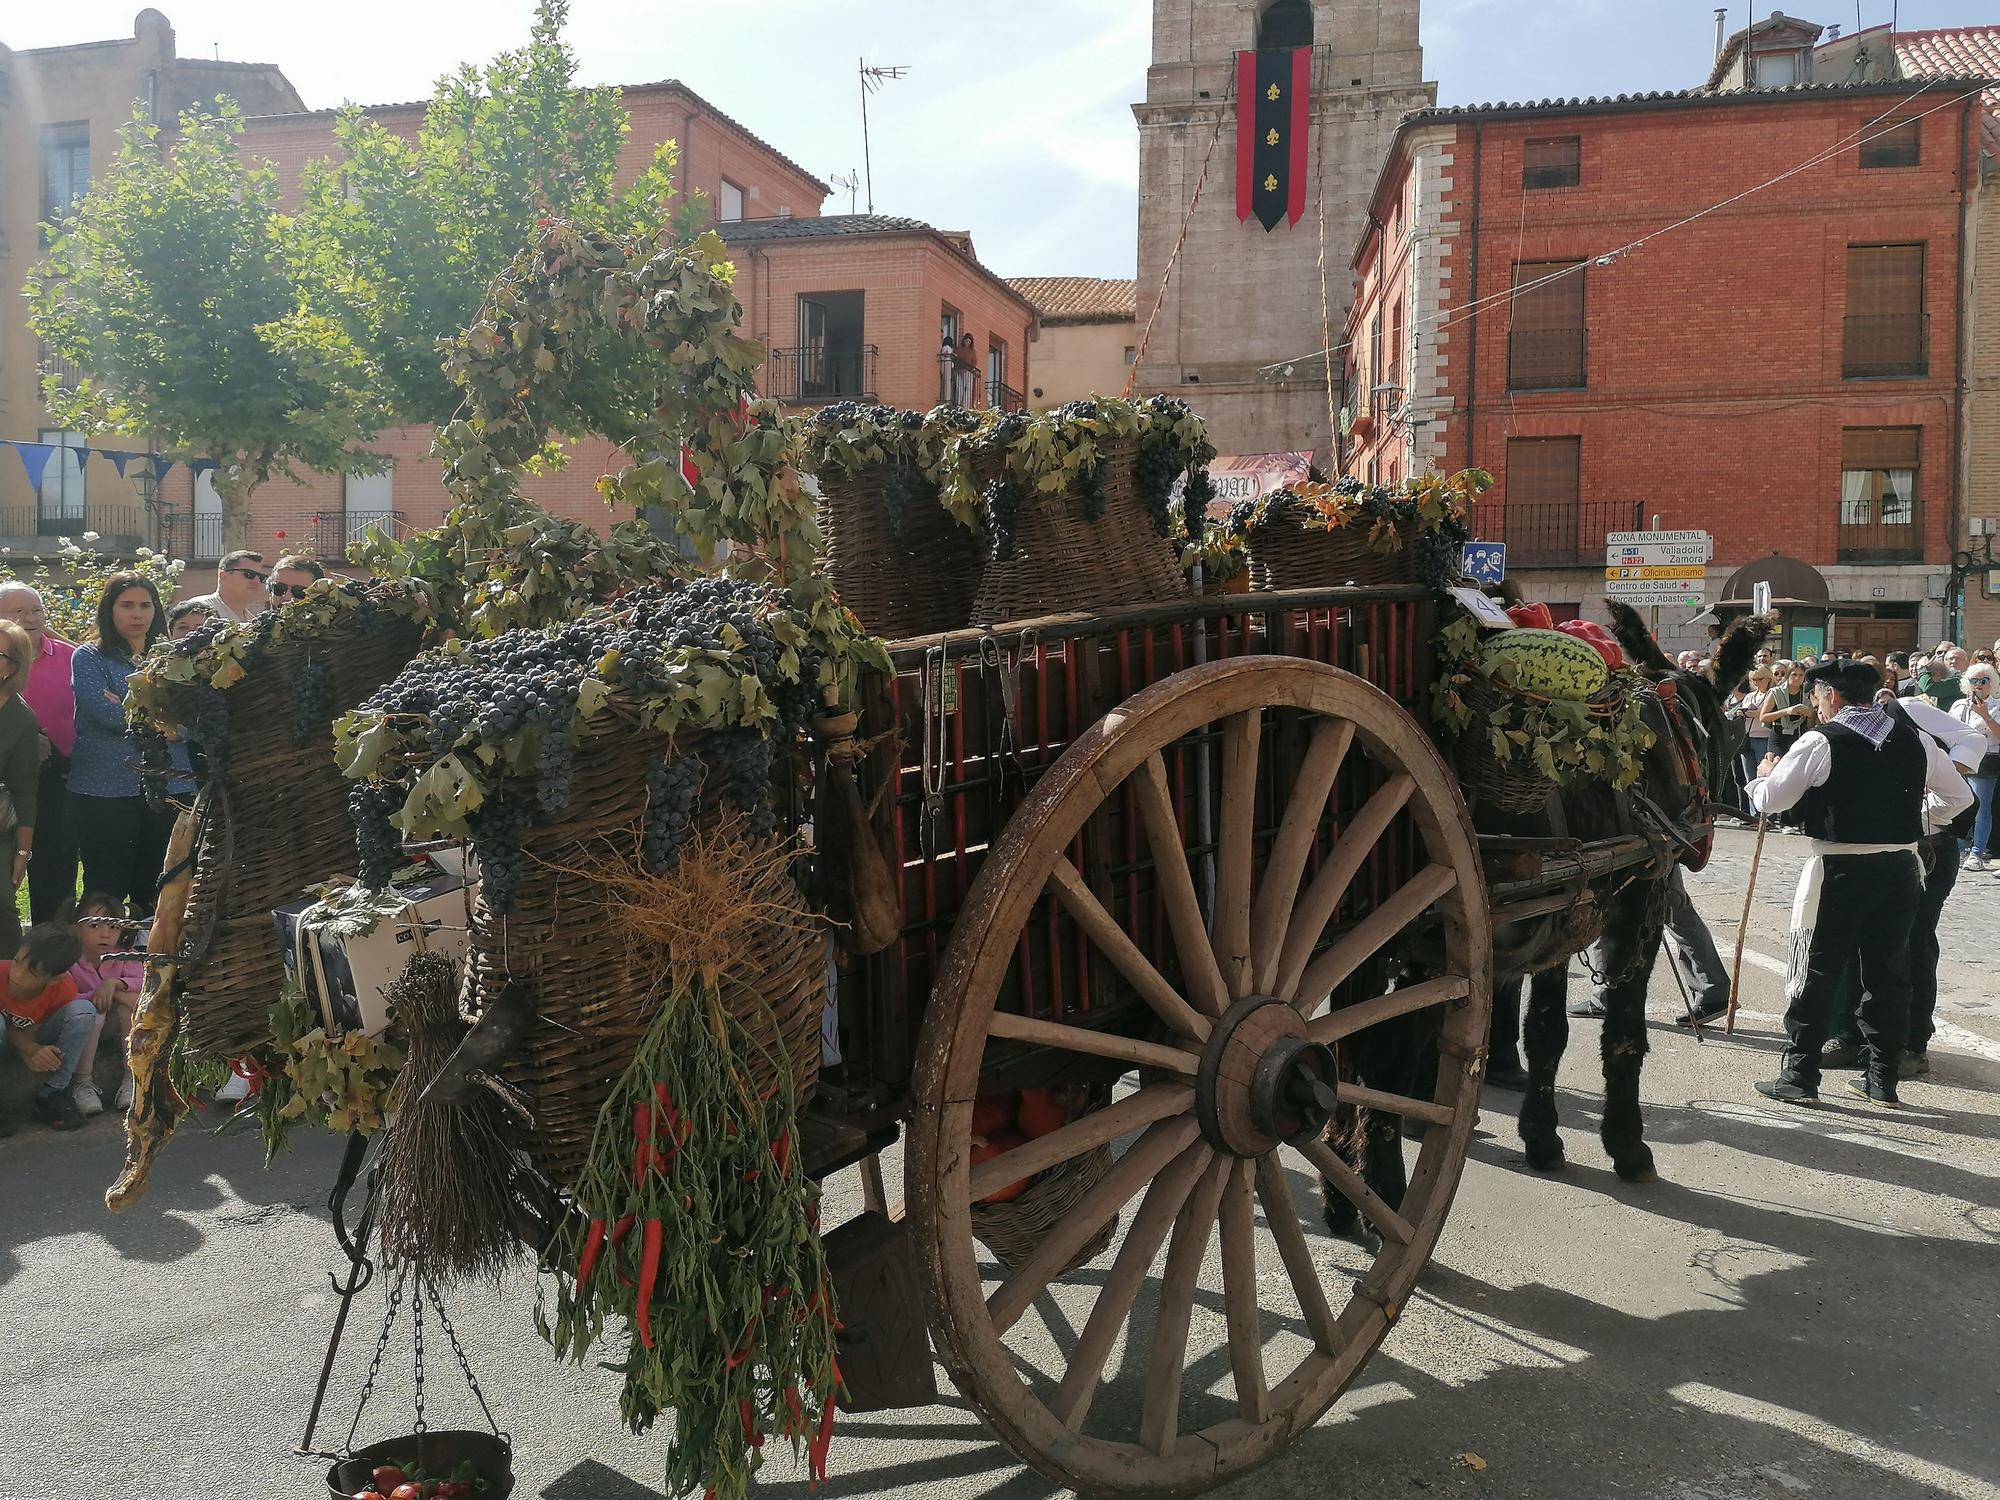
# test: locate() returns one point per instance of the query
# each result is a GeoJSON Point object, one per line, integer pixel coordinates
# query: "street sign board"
{"type": "Point", "coordinates": [1645, 591]}
{"type": "Point", "coordinates": [1640, 538]}
{"type": "Point", "coordinates": [1657, 548]}
{"type": "Point", "coordinates": [1484, 562]}
{"type": "Point", "coordinates": [1697, 572]}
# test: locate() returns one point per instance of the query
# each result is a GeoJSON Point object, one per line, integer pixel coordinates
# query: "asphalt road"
{"type": "Point", "coordinates": [1805, 1304]}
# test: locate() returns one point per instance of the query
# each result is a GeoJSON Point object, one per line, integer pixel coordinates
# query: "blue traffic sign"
{"type": "Point", "coordinates": [1484, 562]}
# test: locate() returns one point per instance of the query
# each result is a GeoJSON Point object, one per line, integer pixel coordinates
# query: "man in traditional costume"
{"type": "Point", "coordinates": [1867, 780]}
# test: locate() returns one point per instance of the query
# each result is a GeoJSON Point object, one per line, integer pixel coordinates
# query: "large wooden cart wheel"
{"type": "Point", "coordinates": [1234, 1084]}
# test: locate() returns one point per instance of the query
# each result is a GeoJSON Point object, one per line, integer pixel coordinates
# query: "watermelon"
{"type": "Point", "coordinates": [1547, 662]}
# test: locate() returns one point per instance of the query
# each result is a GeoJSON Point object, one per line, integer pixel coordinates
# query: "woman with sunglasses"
{"type": "Point", "coordinates": [20, 771]}
{"type": "Point", "coordinates": [293, 576]}
{"type": "Point", "coordinates": [122, 840]}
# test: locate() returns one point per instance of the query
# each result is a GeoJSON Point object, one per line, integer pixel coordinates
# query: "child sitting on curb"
{"type": "Point", "coordinates": [111, 986]}
{"type": "Point", "coordinates": [48, 1023]}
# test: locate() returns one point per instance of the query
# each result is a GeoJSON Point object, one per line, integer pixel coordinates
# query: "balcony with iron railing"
{"type": "Point", "coordinates": [40, 530]}
{"type": "Point", "coordinates": [192, 538]}
{"type": "Point", "coordinates": [333, 533]}
{"type": "Point", "coordinates": [1892, 535]}
{"type": "Point", "coordinates": [1003, 397]}
{"type": "Point", "coordinates": [1545, 359]}
{"type": "Point", "coordinates": [1877, 346]}
{"type": "Point", "coordinates": [1561, 535]}
{"type": "Point", "coordinates": [821, 373]}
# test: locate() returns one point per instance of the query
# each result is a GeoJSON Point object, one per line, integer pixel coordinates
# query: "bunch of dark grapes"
{"type": "Point", "coordinates": [1000, 509]}
{"type": "Point", "coordinates": [742, 757]}
{"type": "Point", "coordinates": [1440, 553]}
{"type": "Point", "coordinates": [903, 488]}
{"type": "Point", "coordinates": [208, 725]}
{"type": "Point", "coordinates": [555, 768]}
{"type": "Point", "coordinates": [1090, 484]}
{"type": "Point", "coordinates": [497, 830]}
{"type": "Point", "coordinates": [311, 683]}
{"type": "Point", "coordinates": [156, 765]}
{"type": "Point", "coordinates": [376, 842]}
{"type": "Point", "coordinates": [672, 787]}
{"type": "Point", "coordinates": [1195, 497]}
{"type": "Point", "coordinates": [1159, 464]}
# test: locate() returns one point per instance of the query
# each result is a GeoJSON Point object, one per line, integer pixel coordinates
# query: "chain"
{"type": "Point", "coordinates": [936, 733]}
{"type": "Point", "coordinates": [465, 1364]}
{"type": "Point", "coordinates": [417, 1323]}
{"type": "Point", "coordinates": [381, 1348]}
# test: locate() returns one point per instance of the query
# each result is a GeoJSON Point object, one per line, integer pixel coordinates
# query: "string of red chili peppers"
{"type": "Point", "coordinates": [697, 1226]}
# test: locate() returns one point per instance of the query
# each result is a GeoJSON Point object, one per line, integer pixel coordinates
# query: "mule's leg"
{"type": "Point", "coordinates": [1503, 1052]}
{"type": "Point", "coordinates": [1390, 1057]}
{"type": "Point", "coordinates": [1631, 943]}
{"type": "Point", "coordinates": [1546, 1035]}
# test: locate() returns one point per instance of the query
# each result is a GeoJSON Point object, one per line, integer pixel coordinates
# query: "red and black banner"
{"type": "Point", "coordinates": [1272, 87]}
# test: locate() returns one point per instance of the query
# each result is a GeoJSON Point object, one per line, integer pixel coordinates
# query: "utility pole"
{"type": "Point", "coordinates": [871, 80]}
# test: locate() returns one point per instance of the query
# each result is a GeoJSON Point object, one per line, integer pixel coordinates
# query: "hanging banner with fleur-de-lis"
{"type": "Point", "coordinates": [1272, 89]}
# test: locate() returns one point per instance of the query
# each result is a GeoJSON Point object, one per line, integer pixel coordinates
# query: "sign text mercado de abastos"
{"type": "Point", "coordinates": [1657, 567]}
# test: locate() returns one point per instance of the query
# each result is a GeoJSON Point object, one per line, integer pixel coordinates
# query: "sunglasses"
{"type": "Point", "coordinates": [280, 590]}
{"type": "Point", "coordinates": [252, 574]}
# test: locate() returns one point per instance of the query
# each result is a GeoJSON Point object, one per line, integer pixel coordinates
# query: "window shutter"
{"type": "Point", "coordinates": [1543, 471]}
{"type": "Point", "coordinates": [1885, 280]}
{"type": "Point", "coordinates": [1880, 447]}
{"type": "Point", "coordinates": [1896, 145]}
{"type": "Point", "coordinates": [1552, 162]}
{"type": "Point", "coordinates": [1545, 341]}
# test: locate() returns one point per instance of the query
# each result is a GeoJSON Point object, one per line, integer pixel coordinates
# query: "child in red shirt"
{"type": "Point", "coordinates": [48, 1023]}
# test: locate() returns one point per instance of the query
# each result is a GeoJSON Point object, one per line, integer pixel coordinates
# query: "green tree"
{"type": "Point", "coordinates": [168, 287]}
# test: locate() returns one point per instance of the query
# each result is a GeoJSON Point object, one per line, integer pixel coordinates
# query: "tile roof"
{"type": "Point", "coordinates": [1682, 98]}
{"type": "Point", "coordinates": [819, 226]}
{"type": "Point", "coordinates": [1079, 299]}
{"type": "Point", "coordinates": [1960, 51]}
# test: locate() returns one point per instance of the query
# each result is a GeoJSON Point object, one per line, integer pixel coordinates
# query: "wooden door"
{"type": "Point", "coordinates": [1856, 635]}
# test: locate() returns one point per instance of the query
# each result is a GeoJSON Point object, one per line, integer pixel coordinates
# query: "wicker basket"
{"type": "Point", "coordinates": [1014, 1230]}
{"type": "Point", "coordinates": [1064, 562]}
{"type": "Point", "coordinates": [900, 583]}
{"type": "Point", "coordinates": [594, 994]}
{"type": "Point", "coordinates": [1513, 785]}
{"type": "Point", "coordinates": [274, 823]}
{"type": "Point", "coordinates": [1285, 553]}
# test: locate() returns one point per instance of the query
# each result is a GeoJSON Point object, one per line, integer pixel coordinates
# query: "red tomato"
{"type": "Point", "coordinates": [1040, 1113]}
{"type": "Point", "coordinates": [986, 1150]}
{"type": "Point", "coordinates": [388, 1476]}
{"type": "Point", "coordinates": [369, 1495]}
{"type": "Point", "coordinates": [407, 1492]}
{"type": "Point", "coordinates": [992, 1114]}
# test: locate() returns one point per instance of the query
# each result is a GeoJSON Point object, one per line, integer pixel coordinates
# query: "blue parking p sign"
{"type": "Point", "coordinates": [1484, 562]}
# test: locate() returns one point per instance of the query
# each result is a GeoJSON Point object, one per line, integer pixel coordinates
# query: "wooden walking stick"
{"type": "Point", "coordinates": [1743, 926]}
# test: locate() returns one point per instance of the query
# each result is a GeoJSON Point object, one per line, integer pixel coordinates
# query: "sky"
{"type": "Point", "coordinates": [1014, 120]}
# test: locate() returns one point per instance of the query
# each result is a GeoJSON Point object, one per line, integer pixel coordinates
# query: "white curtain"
{"type": "Point", "coordinates": [1856, 497]}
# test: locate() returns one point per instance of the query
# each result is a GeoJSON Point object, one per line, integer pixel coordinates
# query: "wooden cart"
{"type": "Point", "coordinates": [1165, 857]}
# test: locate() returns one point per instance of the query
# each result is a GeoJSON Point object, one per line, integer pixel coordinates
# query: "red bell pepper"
{"type": "Point", "coordinates": [1531, 616]}
{"type": "Point", "coordinates": [1595, 635]}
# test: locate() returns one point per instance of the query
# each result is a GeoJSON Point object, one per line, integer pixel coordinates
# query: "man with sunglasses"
{"type": "Point", "coordinates": [293, 576]}
{"type": "Point", "coordinates": [241, 592]}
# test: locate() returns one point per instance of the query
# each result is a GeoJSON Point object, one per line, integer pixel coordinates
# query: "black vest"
{"type": "Point", "coordinates": [1872, 795]}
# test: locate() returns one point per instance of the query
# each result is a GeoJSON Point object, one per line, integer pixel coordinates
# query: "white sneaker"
{"type": "Point", "coordinates": [124, 1099]}
{"type": "Point", "coordinates": [88, 1100]}
{"type": "Point", "coordinates": [1978, 862]}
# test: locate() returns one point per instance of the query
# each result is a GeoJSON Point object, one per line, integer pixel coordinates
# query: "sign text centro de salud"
{"type": "Point", "coordinates": [1657, 567]}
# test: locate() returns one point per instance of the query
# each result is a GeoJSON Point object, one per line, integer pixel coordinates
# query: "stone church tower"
{"type": "Point", "coordinates": [1242, 298]}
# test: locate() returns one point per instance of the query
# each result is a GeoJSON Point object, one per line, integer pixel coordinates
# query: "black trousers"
{"type": "Point", "coordinates": [123, 843]}
{"type": "Point", "coordinates": [1867, 909]}
{"type": "Point", "coordinates": [52, 872]}
{"type": "Point", "coordinates": [1941, 875]}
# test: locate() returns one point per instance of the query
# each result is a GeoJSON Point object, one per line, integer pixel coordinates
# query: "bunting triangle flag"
{"type": "Point", "coordinates": [34, 458]}
{"type": "Point", "coordinates": [118, 458]}
{"type": "Point", "coordinates": [203, 466]}
{"type": "Point", "coordinates": [161, 463]}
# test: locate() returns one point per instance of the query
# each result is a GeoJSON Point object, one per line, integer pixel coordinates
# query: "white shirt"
{"type": "Point", "coordinates": [1810, 761]}
{"type": "Point", "coordinates": [1967, 719]}
{"type": "Point", "coordinates": [1964, 738]}
{"type": "Point", "coordinates": [214, 605]}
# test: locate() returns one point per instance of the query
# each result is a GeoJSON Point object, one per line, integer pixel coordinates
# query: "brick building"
{"type": "Point", "coordinates": [850, 305]}
{"type": "Point", "coordinates": [1089, 333]}
{"type": "Point", "coordinates": [1243, 304]}
{"type": "Point", "coordinates": [1776, 364]}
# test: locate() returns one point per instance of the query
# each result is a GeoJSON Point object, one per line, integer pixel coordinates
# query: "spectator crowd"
{"type": "Point", "coordinates": [75, 827]}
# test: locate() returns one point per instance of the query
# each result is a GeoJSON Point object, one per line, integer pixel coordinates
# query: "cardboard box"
{"type": "Point", "coordinates": [346, 976]}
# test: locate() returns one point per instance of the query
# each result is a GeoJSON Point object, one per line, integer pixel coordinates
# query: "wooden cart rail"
{"type": "Point", "coordinates": [969, 722]}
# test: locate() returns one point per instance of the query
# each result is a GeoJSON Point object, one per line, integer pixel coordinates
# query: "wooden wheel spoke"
{"type": "Point", "coordinates": [1298, 827]}
{"type": "Point", "coordinates": [1240, 1293]}
{"type": "Point", "coordinates": [1391, 1225]}
{"type": "Point", "coordinates": [1322, 898]}
{"type": "Point", "coordinates": [1161, 1143]}
{"type": "Point", "coordinates": [1154, 1102]}
{"type": "Point", "coordinates": [1396, 1104]}
{"type": "Point", "coordinates": [1081, 903]}
{"type": "Point", "coordinates": [1096, 1043]}
{"type": "Point", "coordinates": [1121, 1287]}
{"type": "Point", "coordinates": [1235, 834]}
{"type": "Point", "coordinates": [1336, 1025]}
{"type": "Point", "coordinates": [1357, 946]}
{"type": "Point", "coordinates": [1159, 1420]}
{"type": "Point", "coordinates": [1176, 882]}
{"type": "Point", "coordinates": [1282, 1214]}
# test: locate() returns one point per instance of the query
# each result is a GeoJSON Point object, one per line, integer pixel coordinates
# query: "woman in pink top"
{"type": "Point", "coordinates": [112, 985]}
{"type": "Point", "coordinates": [52, 872]}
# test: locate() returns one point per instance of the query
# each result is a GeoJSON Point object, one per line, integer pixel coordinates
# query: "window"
{"type": "Point", "coordinates": [61, 492]}
{"type": "Point", "coordinates": [1878, 493]}
{"type": "Point", "coordinates": [1545, 339]}
{"type": "Point", "coordinates": [1552, 162]}
{"type": "Point", "coordinates": [65, 168]}
{"type": "Point", "coordinates": [997, 390]}
{"type": "Point", "coordinates": [1777, 70]}
{"type": "Point", "coordinates": [1131, 353]}
{"type": "Point", "coordinates": [369, 495]}
{"type": "Point", "coordinates": [1896, 145]}
{"type": "Point", "coordinates": [1396, 352]}
{"type": "Point", "coordinates": [1543, 501]}
{"type": "Point", "coordinates": [1374, 357]}
{"type": "Point", "coordinates": [730, 203]}
{"type": "Point", "coordinates": [1286, 23]}
{"type": "Point", "coordinates": [831, 361]}
{"type": "Point", "coordinates": [1883, 334]}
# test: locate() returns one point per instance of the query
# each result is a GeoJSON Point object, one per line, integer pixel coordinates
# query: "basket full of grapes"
{"type": "Point", "coordinates": [650, 741]}
{"type": "Point", "coordinates": [1328, 535]}
{"type": "Point", "coordinates": [257, 702]}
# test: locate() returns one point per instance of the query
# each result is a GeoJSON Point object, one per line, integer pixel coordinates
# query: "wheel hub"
{"type": "Point", "coordinates": [1263, 1080]}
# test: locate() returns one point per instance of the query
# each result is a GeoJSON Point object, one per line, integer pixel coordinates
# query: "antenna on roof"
{"type": "Point", "coordinates": [851, 180]}
{"type": "Point", "coordinates": [871, 80]}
